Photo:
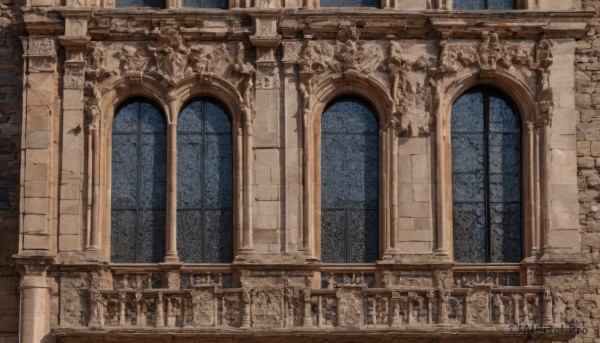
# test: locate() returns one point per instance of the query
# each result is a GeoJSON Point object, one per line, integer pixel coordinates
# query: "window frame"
{"type": "Point", "coordinates": [535, 164]}
{"type": "Point", "coordinates": [487, 91]}
{"type": "Point", "coordinates": [370, 107]}
{"type": "Point", "coordinates": [203, 135]}
{"type": "Point", "coordinates": [139, 134]}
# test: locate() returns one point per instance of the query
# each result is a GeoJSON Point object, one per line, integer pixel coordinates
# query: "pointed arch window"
{"type": "Point", "coordinates": [138, 183]}
{"type": "Point", "coordinates": [349, 183]}
{"type": "Point", "coordinates": [486, 178]}
{"type": "Point", "coordinates": [204, 183]}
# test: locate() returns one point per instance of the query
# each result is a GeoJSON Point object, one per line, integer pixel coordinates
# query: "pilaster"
{"type": "Point", "coordinates": [37, 157]}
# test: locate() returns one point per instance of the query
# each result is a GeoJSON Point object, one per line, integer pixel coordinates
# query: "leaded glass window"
{"type": "Point", "coordinates": [484, 4]}
{"type": "Point", "coordinates": [486, 178]}
{"type": "Point", "coordinates": [204, 184]}
{"type": "Point", "coordinates": [205, 3]}
{"type": "Point", "coordinates": [138, 183]}
{"type": "Point", "coordinates": [140, 3]}
{"type": "Point", "coordinates": [349, 183]}
{"type": "Point", "coordinates": [350, 3]}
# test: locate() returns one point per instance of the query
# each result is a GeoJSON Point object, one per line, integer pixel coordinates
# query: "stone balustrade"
{"type": "Point", "coordinates": [206, 298]}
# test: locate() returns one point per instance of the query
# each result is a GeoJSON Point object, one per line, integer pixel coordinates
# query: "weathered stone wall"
{"type": "Point", "coordinates": [10, 162]}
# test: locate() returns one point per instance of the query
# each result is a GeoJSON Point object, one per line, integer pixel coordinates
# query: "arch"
{"type": "Point", "coordinates": [349, 182]}
{"type": "Point", "coordinates": [366, 88]}
{"type": "Point", "coordinates": [486, 177]}
{"type": "Point", "coordinates": [205, 183]}
{"type": "Point", "coordinates": [217, 88]}
{"type": "Point", "coordinates": [138, 179]}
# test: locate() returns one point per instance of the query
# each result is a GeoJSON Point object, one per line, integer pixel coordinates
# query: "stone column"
{"type": "Point", "coordinates": [35, 298]}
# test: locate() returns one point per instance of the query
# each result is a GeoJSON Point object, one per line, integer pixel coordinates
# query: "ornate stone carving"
{"type": "Point", "coordinates": [203, 307]}
{"type": "Point", "coordinates": [478, 305]}
{"type": "Point", "coordinates": [356, 57]}
{"type": "Point", "coordinates": [133, 61]}
{"type": "Point", "coordinates": [267, 310]}
{"type": "Point", "coordinates": [245, 73]}
{"type": "Point", "coordinates": [490, 53]}
{"type": "Point", "coordinates": [208, 61]}
{"type": "Point", "coordinates": [350, 307]}
{"type": "Point", "coordinates": [170, 55]}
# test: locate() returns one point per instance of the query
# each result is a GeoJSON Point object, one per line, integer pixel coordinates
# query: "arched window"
{"type": "Point", "coordinates": [204, 184]}
{"type": "Point", "coordinates": [138, 183]}
{"type": "Point", "coordinates": [484, 4]}
{"type": "Point", "coordinates": [486, 178]}
{"type": "Point", "coordinates": [349, 183]}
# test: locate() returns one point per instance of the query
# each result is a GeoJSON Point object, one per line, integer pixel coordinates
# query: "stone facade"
{"type": "Point", "coordinates": [274, 66]}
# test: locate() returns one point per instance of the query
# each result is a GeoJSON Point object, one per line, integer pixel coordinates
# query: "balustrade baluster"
{"type": "Point", "coordinates": [158, 316]}
{"type": "Point", "coordinates": [122, 300]}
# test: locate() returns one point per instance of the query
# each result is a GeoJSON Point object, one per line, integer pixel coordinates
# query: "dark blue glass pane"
{"type": "Point", "coordinates": [152, 120]}
{"type": "Point", "coordinates": [218, 171]}
{"type": "Point", "coordinates": [189, 235]}
{"type": "Point", "coordinates": [189, 171]}
{"type": "Point", "coordinates": [483, 4]}
{"type": "Point", "coordinates": [469, 232]}
{"type": "Point", "coordinates": [349, 183]}
{"type": "Point", "coordinates": [219, 224]}
{"type": "Point", "coordinates": [127, 118]}
{"type": "Point", "coordinates": [123, 227]}
{"type": "Point", "coordinates": [363, 235]}
{"type": "Point", "coordinates": [190, 118]}
{"type": "Point", "coordinates": [333, 236]}
{"type": "Point", "coordinates": [204, 184]}
{"type": "Point", "coordinates": [469, 4]}
{"type": "Point", "coordinates": [505, 181]}
{"type": "Point", "coordinates": [124, 171]}
{"type": "Point", "coordinates": [151, 236]}
{"type": "Point", "coordinates": [140, 3]}
{"type": "Point", "coordinates": [154, 171]}
{"type": "Point", "coordinates": [205, 3]}
{"type": "Point", "coordinates": [467, 113]}
{"type": "Point", "coordinates": [350, 3]}
{"type": "Point", "coordinates": [138, 184]}
{"type": "Point", "coordinates": [349, 117]}
{"type": "Point", "coordinates": [501, 4]}
{"type": "Point", "coordinates": [216, 119]}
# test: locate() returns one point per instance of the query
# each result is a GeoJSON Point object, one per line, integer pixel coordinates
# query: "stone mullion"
{"type": "Point", "coordinates": [171, 234]}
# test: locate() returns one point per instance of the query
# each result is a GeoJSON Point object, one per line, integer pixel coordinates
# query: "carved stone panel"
{"type": "Point", "coordinates": [267, 311]}
{"type": "Point", "coordinates": [350, 307]}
